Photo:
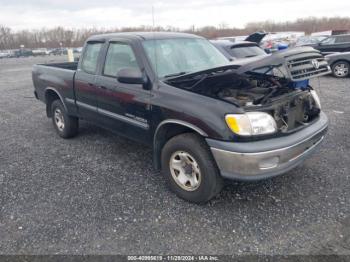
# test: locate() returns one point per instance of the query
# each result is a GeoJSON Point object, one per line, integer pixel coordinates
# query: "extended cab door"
{"type": "Point", "coordinates": [85, 86]}
{"type": "Point", "coordinates": [123, 108]}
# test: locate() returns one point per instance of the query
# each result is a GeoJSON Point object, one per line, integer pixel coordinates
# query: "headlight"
{"type": "Point", "coordinates": [316, 98]}
{"type": "Point", "coordinates": [251, 123]}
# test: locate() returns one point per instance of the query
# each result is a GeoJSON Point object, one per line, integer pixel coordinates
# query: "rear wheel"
{"type": "Point", "coordinates": [340, 69]}
{"type": "Point", "coordinates": [65, 125]}
{"type": "Point", "coordinates": [190, 169]}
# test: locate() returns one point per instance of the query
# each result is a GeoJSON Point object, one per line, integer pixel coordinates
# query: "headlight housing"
{"type": "Point", "coordinates": [251, 123]}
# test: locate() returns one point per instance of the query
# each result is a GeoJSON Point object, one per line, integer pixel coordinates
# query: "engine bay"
{"type": "Point", "coordinates": [290, 106]}
{"type": "Point", "coordinates": [277, 84]}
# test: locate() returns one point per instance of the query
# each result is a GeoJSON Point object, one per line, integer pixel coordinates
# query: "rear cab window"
{"type": "Point", "coordinates": [90, 59]}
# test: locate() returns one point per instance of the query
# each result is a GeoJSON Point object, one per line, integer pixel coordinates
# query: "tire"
{"type": "Point", "coordinates": [340, 69]}
{"type": "Point", "coordinates": [204, 182]}
{"type": "Point", "coordinates": [66, 126]}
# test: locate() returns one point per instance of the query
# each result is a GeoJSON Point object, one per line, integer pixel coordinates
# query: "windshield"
{"type": "Point", "coordinates": [245, 51]}
{"type": "Point", "coordinates": [171, 57]}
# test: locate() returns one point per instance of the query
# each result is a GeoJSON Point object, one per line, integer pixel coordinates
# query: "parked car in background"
{"type": "Point", "coordinates": [239, 49]}
{"type": "Point", "coordinates": [339, 63]}
{"type": "Point", "coordinates": [4, 54]}
{"type": "Point", "coordinates": [205, 118]}
{"type": "Point", "coordinates": [309, 40]}
{"type": "Point", "coordinates": [23, 53]}
{"type": "Point", "coordinates": [332, 44]}
{"type": "Point", "coordinates": [275, 41]}
{"type": "Point", "coordinates": [233, 38]}
{"type": "Point", "coordinates": [12, 53]}
{"type": "Point", "coordinates": [272, 46]}
{"type": "Point", "coordinates": [235, 49]}
{"type": "Point", "coordinates": [40, 52]}
{"type": "Point", "coordinates": [58, 51]}
{"type": "Point", "coordinates": [77, 50]}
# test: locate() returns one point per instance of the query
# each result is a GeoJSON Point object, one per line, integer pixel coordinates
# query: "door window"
{"type": "Point", "coordinates": [119, 56]}
{"type": "Point", "coordinates": [343, 39]}
{"type": "Point", "coordinates": [89, 63]}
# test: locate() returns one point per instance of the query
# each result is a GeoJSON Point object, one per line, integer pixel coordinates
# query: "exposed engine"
{"type": "Point", "coordinates": [277, 84]}
{"type": "Point", "coordinates": [290, 107]}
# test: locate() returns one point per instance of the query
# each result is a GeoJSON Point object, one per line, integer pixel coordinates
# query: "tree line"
{"type": "Point", "coordinates": [59, 36]}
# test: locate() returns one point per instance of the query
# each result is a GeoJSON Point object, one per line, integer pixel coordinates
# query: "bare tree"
{"type": "Point", "coordinates": [55, 37]}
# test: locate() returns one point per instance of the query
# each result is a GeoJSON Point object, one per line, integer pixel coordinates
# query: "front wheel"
{"type": "Point", "coordinates": [65, 125]}
{"type": "Point", "coordinates": [340, 69]}
{"type": "Point", "coordinates": [190, 169]}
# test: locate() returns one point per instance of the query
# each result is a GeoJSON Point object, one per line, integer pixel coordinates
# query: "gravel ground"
{"type": "Point", "coordinates": [98, 194]}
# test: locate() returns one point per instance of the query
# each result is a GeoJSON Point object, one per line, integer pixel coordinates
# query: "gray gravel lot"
{"type": "Point", "coordinates": [98, 194]}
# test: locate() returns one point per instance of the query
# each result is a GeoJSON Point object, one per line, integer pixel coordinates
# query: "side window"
{"type": "Point", "coordinates": [343, 39]}
{"type": "Point", "coordinates": [89, 63]}
{"type": "Point", "coordinates": [119, 56]}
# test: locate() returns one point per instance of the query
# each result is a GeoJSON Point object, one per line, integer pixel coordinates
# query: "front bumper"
{"type": "Point", "coordinates": [267, 158]}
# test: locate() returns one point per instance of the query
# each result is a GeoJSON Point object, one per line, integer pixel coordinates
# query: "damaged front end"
{"type": "Point", "coordinates": [276, 84]}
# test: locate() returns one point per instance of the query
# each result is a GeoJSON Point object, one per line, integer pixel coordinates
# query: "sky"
{"type": "Point", "coordinates": [183, 14]}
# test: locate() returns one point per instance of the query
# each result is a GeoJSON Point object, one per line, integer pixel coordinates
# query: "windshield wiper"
{"type": "Point", "coordinates": [175, 74]}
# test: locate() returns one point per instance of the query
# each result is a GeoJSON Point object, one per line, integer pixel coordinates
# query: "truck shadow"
{"type": "Point", "coordinates": [139, 161]}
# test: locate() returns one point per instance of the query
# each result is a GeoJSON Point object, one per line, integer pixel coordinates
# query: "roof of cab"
{"type": "Point", "coordinates": [141, 36]}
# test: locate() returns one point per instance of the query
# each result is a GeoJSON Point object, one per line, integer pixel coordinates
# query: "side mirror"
{"type": "Point", "coordinates": [131, 76]}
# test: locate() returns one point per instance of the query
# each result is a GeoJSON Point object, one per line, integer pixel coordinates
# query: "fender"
{"type": "Point", "coordinates": [58, 94]}
{"type": "Point", "coordinates": [179, 122]}
{"type": "Point", "coordinates": [157, 146]}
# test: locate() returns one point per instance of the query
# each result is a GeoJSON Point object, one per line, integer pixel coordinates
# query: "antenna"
{"type": "Point", "coordinates": [155, 44]}
{"type": "Point", "coordinates": [153, 23]}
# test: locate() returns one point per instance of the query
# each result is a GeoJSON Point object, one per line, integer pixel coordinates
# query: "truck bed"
{"type": "Point", "coordinates": [66, 65]}
{"type": "Point", "coordinates": [55, 77]}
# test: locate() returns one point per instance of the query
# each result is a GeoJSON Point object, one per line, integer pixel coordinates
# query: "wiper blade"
{"type": "Point", "coordinates": [175, 74]}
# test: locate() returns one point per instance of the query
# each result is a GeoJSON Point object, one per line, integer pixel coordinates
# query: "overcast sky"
{"type": "Point", "coordinates": [35, 14]}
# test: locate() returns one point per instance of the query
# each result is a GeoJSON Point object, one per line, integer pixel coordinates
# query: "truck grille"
{"type": "Point", "coordinates": [307, 65]}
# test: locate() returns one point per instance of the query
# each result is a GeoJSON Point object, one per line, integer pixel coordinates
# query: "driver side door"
{"type": "Point", "coordinates": [124, 108]}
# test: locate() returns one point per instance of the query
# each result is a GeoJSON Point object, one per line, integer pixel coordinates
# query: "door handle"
{"type": "Point", "coordinates": [90, 84]}
{"type": "Point", "coordinates": [102, 87]}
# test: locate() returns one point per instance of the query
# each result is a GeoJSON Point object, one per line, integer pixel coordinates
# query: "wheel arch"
{"type": "Point", "coordinates": [339, 60]}
{"type": "Point", "coordinates": [51, 95]}
{"type": "Point", "coordinates": [168, 129]}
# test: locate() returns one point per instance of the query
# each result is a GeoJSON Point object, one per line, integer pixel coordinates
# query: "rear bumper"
{"type": "Point", "coordinates": [267, 158]}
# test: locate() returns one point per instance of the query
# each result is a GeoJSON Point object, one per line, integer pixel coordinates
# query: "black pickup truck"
{"type": "Point", "coordinates": [206, 119]}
